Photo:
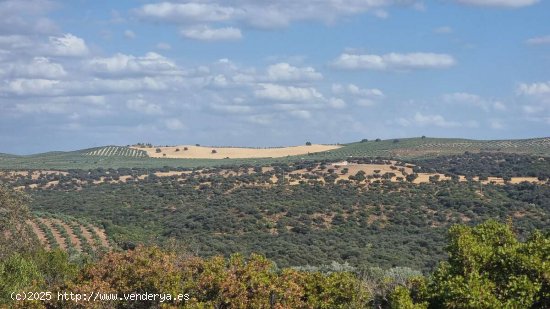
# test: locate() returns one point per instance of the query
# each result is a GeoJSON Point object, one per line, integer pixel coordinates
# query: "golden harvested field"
{"type": "Point", "coordinates": [204, 152]}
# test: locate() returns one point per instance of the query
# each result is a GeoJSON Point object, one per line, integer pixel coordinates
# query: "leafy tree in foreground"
{"type": "Point", "coordinates": [488, 267]}
{"type": "Point", "coordinates": [15, 234]}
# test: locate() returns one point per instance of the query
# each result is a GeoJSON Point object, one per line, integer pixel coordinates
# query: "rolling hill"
{"type": "Point", "coordinates": [403, 149]}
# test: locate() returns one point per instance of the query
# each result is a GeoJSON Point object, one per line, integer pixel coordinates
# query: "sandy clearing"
{"type": "Point", "coordinates": [34, 174]}
{"type": "Point", "coordinates": [516, 180]}
{"type": "Point", "coordinates": [204, 152]}
{"type": "Point", "coordinates": [369, 169]}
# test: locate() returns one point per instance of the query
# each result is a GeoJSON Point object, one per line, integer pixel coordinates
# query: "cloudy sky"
{"type": "Point", "coordinates": [76, 74]}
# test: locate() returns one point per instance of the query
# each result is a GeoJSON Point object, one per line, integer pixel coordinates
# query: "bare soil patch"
{"type": "Point", "coordinates": [207, 152]}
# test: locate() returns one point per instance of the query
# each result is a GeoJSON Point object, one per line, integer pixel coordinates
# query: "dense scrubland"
{"type": "Point", "coordinates": [487, 267]}
{"type": "Point", "coordinates": [468, 230]}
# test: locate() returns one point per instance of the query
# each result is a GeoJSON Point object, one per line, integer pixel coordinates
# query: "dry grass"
{"type": "Point", "coordinates": [203, 152]}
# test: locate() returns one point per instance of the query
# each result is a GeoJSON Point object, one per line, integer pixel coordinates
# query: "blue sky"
{"type": "Point", "coordinates": [77, 74]}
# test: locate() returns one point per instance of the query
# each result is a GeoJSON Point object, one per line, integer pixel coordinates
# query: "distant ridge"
{"type": "Point", "coordinates": [403, 148]}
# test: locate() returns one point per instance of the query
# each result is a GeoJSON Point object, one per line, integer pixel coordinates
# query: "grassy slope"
{"type": "Point", "coordinates": [404, 149]}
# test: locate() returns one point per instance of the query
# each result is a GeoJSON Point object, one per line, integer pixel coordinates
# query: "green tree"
{"type": "Point", "coordinates": [15, 234]}
{"type": "Point", "coordinates": [488, 267]}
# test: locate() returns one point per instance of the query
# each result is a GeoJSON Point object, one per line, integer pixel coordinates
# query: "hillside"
{"type": "Point", "coordinates": [360, 211]}
{"type": "Point", "coordinates": [213, 152]}
{"type": "Point", "coordinates": [403, 149]}
{"type": "Point", "coordinates": [337, 212]}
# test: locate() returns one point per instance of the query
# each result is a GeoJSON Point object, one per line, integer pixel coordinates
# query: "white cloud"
{"type": "Point", "coordinates": [287, 93]}
{"type": "Point", "coordinates": [64, 105]}
{"type": "Point", "coordinates": [435, 120]}
{"type": "Point", "coordinates": [474, 100]}
{"type": "Point", "coordinates": [50, 108]}
{"type": "Point", "coordinates": [121, 65]}
{"type": "Point", "coordinates": [536, 100]}
{"type": "Point", "coordinates": [499, 106]}
{"type": "Point", "coordinates": [84, 87]}
{"type": "Point", "coordinates": [188, 12]}
{"type": "Point", "coordinates": [365, 102]}
{"type": "Point", "coordinates": [163, 46]}
{"type": "Point", "coordinates": [394, 61]}
{"type": "Point", "coordinates": [361, 96]}
{"type": "Point", "coordinates": [422, 120]}
{"type": "Point", "coordinates": [535, 89]}
{"type": "Point", "coordinates": [261, 13]}
{"type": "Point", "coordinates": [355, 90]}
{"type": "Point", "coordinates": [24, 17]}
{"type": "Point", "coordinates": [142, 106]}
{"type": "Point", "coordinates": [205, 33]}
{"type": "Point", "coordinates": [173, 124]}
{"type": "Point", "coordinates": [499, 3]}
{"type": "Point", "coordinates": [286, 72]}
{"type": "Point", "coordinates": [15, 41]}
{"type": "Point", "coordinates": [302, 114]}
{"type": "Point", "coordinates": [129, 34]}
{"type": "Point", "coordinates": [443, 30]}
{"type": "Point", "coordinates": [38, 67]}
{"type": "Point", "coordinates": [67, 45]}
{"type": "Point", "coordinates": [232, 109]}
{"type": "Point", "coordinates": [336, 103]}
{"type": "Point", "coordinates": [260, 119]}
{"type": "Point", "coordinates": [23, 86]}
{"type": "Point", "coordinates": [539, 40]}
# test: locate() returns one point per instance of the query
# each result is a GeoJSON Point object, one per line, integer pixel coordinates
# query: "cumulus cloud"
{"type": "Point", "coordinates": [287, 93]}
{"type": "Point", "coordinates": [393, 61]}
{"type": "Point", "coordinates": [188, 12]}
{"type": "Point", "coordinates": [163, 46]}
{"type": "Point", "coordinates": [423, 120]}
{"type": "Point", "coordinates": [140, 105]}
{"type": "Point", "coordinates": [355, 90]}
{"type": "Point", "coordinates": [231, 109]}
{"type": "Point", "coordinates": [129, 34]}
{"type": "Point", "coordinates": [129, 65]}
{"type": "Point", "coordinates": [94, 105]}
{"type": "Point", "coordinates": [38, 67]}
{"type": "Point", "coordinates": [173, 124]}
{"type": "Point", "coordinates": [473, 100]}
{"type": "Point", "coordinates": [24, 17]}
{"type": "Point", "coordinates": [364, 97]}
{"type": "Point", "coordinates": [262, 119]}
{"type": "Point", "coordinates": [539, 40]}
{"type": "Point", "coordinates": [260, 13]}
{"type": "Point", "coordinates": [25, 87]}
{"type": "Point", "coordinates": [286, 72]}
{"type": "Point", "coordinates": [67, 45]}
{"type": "Point", "coordinates": [14, 41]}
{"type": "Point", "coordinates": [536, 100]}
{"type": "Point", "coordinates": [205, 33]}
{"type": "Point", "coordinates": [302, 114]}
{"type": "Point", "coordinates": [443, 30]}
{"type": "Point", "coordinates": [535, 89]}
{"type": "Point", "coordinates": [336, 103]}
{"type": "Point", "coordinates": [499, 3]}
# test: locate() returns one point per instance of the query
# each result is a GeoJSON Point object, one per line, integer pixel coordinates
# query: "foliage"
{"type": "Point", "coordinates": [485, 164]}
{"type": "Point", "coordinates": [489, 267]}
{"type": "Point", "coordinates": [405, 149]}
